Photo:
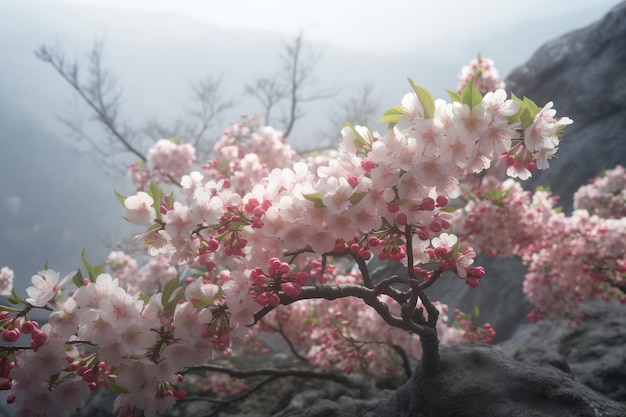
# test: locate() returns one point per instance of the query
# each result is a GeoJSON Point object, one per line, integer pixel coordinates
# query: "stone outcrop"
{"type": "Point", "coordinates": [592, 350]}
{"type": "Point", "coordinates": [583, 73]}
{"type": "Point", "coordinates": [476, 380]}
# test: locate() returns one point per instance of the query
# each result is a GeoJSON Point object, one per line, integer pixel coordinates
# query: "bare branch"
{"type": "Point", "coordinates": [269, 91]}
{"type": "Point", "coordinates": [207, 111]}
{"type": "Point", "coordinates": [101, 93]}
{"type": "Point", "coordinates": [277, 373]}
{"type": "Point", "coordinates": [359, 109]}
{"type": "Point", "coordinates": [222, 403]}
{"type": "Point", "coordinates": [282, 333]}
{"type": "Point", "coordinates": [290, 85]}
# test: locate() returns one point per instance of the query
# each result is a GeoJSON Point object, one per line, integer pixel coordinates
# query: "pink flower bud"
{"type": "Point", "coordinates": [283, 268]}
{"type": "Point", "coordinates": [393, 207]}
{"type": "Point", "coordinates": [367, 164]}
{"type": "Point", "coordinates": [428, 204]}
{"type": "Point", "coordinates": [274, 300]}
{"type": "Point", "coordinates": [180, 394]}
{"type": "Point", "coordinates": [291, 289]}
{"type": "Point", "coordinates": [11, 336]}
{"type": "Point", "coordinates": [27, 327]}
{"type": "Point", "coordinates": [435, 227]}
{"type": "Point", "coordinates": [472, 282]}
{"type": "Point", "coordinates": [302, 278]}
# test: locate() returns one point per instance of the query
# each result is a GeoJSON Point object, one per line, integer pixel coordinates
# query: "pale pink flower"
{"type": "Point", "coordinates": [545, 130]}
{"type": "Point", "coordinates": [6, 280]}
{"type": "Point", "coordinates": [190, 322]}
{"type": "Point", "coordinates": [43, 289]}
{"type": "Point", "coordinates": [139, 209]}
{"type": "Point", "coordinates": [64, 319]}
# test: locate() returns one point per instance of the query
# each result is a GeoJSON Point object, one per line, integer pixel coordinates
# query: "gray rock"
{"type": "Point", "coordinates": [593, 351]}
{"type": "Point", "coordinates": [584, 73]}
{"type": "Point", "coordinates": [476, 380]}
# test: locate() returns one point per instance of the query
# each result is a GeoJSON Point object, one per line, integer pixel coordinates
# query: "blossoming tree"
{"type": "Point", "coordinates": [261, 229]}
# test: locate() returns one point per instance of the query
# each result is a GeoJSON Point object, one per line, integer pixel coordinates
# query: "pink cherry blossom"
{"type": "Point", "coordinates": [139, 209]}
{"type": "Point", "coordinates": [6, 280]}
{"type": "Point", "coordinates": [43, 289]}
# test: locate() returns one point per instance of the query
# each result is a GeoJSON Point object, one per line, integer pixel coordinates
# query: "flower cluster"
{"type": "Point", "coordinates": [569, 258]}
{"type": "Point", "coordinates": [149, 280]}
{"type": "Point", "coordinates": [482, 73]}
{"type": "Point", "coordinates": [472, 332]}
{"type": "Point", "coordinates": [6, 280]}
{"type": "Point", "coordinates": [605, 195]}
{"type": "Point", "coordinates": [260, 228]}
{"type": "Point", "coordinates": [246, 154]}
{"type": "Point", "coordinates": [170, 158]}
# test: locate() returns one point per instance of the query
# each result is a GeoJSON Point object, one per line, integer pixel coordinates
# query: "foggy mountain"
{"type": "Point", "coordinates": [55, 201]}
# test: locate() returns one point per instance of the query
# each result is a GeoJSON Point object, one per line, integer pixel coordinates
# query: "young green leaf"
{"type": "Point", "coordinates": [120, 198]}
{"type": "Point", "coordinates": [169, 289]}
{"type": "Point", "coordinates": [360, 139]}
{"type": "Point", "coordinates": [114, 386]}
{"type": "Point", "coordinates": [90, 269]}
{"type": "Point", "coordinates": [471, 96]}
{"type": "Point", "coordinates": [427, 100]}
{"type": "Point", "coordinates": [78, 279]}
{"type": "Point", "coordinates": [392, 115]}
{"type": "Point", "coordinates": [454, 96]}
{"type": "Point", "coordinates": [15, 298]}
{"type": "Point", "coordinates": [156, 193]}
{"type": "Point", "coordinates": [356, 197]}
{"type": "Point", "coordinates": [316, 199]}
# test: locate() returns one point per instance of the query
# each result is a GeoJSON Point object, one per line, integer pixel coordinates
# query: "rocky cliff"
{"type": "Point", "coordinates": [584, 73]}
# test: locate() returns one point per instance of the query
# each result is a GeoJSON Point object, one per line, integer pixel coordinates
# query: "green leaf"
{"type": "Point", "coordinates": [170, 201]}
{"type": "Point", "coordinates": [527, 112]}
{"type": "Point", "coordinates": [90, 269]}
{"type": "Point", "coordinates": [156, 193]}
{"type": "Point", "coordinates": [359, 137]}
{"type": "Point", "coordinates": [316, 199]}
{"type": "Point", "coordinates": [476, 311]}
{"type": "Point", "coordinates": [526, 119]}
{"type": "Point", "coordinates": [392, 115]}
{"type": "Point", "coordinates": [78, 279]}
{"type": "Point", "coordinates": [427, 100]}
{"type": "Point", "coordinates": [144, 298]}
{"type": "Point", "coordinates": [168, 309]}
{"type": "Point", "coordinates": [114, 386]}
{"type": "Point", "coordinates": [15, 298]}
{"type": "Point", "coordinates": [532, 106]}
{"type": "Point", "coordinates": [169, 289]}
{"type": "Point", "coordinates": [454, 96]}
{"type": "Point", "coordinates": [120, 198]}
{"type": "Point", "coordinates": [7, 308]}
{"type": "Point", "coordinates": [356, 197]}
{"type": "Point", "coordinates": [471, 96]}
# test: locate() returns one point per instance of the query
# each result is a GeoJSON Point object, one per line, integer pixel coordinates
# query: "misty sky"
{"type": "Point", "coordinates": [391, 26]}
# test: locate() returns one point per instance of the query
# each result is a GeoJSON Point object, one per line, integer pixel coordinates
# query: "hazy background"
{"type": "Point", "coordinates": [55, 201]}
